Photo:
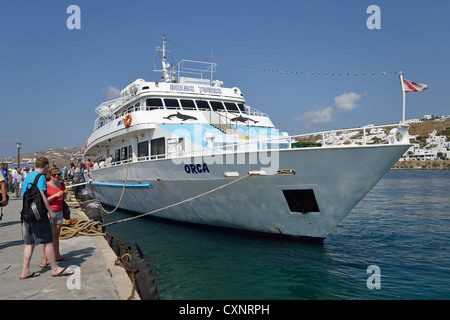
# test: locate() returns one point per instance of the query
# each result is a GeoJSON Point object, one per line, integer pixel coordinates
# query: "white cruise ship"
{"type": "Point", "coordinates": [188, 137]}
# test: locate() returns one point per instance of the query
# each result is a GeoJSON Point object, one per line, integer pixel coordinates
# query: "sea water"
{"type": "Point", "coordinates": [395, 244]}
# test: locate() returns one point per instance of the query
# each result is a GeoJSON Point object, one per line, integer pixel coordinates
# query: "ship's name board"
{"type": "Point", "coordinates": [196, 168]}
{"type": "Point", "coordinates": [195, 89]}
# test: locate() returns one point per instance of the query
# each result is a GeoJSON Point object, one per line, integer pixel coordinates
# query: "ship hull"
{"type": "Point", "coordinates": [313, 193]}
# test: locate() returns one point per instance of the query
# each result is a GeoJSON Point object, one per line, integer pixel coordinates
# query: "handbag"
{"type": "Point", "coordinates": [65, 210]}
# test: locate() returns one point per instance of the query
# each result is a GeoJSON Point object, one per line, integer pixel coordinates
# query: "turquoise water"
{"type": "Point", "coordinates": [402, 226]}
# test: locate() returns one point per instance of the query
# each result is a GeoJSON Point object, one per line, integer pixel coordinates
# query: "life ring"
{"type": "Point", "coordinates": [127, 120]}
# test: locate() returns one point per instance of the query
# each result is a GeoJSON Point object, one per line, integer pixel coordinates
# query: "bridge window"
{"type": "Point", "coordinates": [172, 103]}
{"type": "Point", "coordinates": [232, 107]}
{"type": "Point", "coordinates": [217, 105]}
{"type": "Point", "coordinates": [203, 105]}
{"type": "Point", "coordinates": [188, 104]}
{"type": "Point", "coordinates": [154, 103]}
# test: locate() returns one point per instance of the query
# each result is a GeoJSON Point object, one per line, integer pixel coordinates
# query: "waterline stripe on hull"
{"type": "Point", "coordinates": [120, 185]}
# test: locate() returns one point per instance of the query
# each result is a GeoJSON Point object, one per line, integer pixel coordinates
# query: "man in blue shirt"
{"type": "Point", "coordinates": [4, 170]}
{"type": "Point", "coordinates": [64, 172]}
{"type": "Point", "coordinates": [40, 232]}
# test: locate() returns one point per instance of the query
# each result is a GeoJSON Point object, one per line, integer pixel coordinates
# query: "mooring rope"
{"type": "Point", "coordinates": [121, 196]}
{"type": "Point", "coordinates": [178, 203]}
{"type": "Point", "coordinates": [82, 227]}
{"type": "Point", "coordinates": [94, 228]}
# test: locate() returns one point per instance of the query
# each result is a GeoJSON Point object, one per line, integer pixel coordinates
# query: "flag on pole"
{"type": "Point", "coordinates": [410, 86]}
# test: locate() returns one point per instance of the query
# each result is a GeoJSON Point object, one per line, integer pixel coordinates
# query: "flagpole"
{"type": "Point", "coordinates": [403, 91]}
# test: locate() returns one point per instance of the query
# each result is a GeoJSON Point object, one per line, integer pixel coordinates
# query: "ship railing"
{"type": "Point", "coordinates": [334, 138]}
{"type": "Point", "coordinates": [352, 137]}
{"type": "Point", "coordinates": [143, 158]}
{"type": "Point", "coordinates": [254, 112]}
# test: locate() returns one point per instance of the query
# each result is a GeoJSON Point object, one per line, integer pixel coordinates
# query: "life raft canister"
{"type": "Point", "coordinates": [127, 120]}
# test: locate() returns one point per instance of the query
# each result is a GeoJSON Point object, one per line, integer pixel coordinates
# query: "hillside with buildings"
{"type": "Point", "coordinates": [430, 139]}
{"type": "Point", "coordinates": [56, 156]}
{"type": "Point", "coordinates": [431, 144]}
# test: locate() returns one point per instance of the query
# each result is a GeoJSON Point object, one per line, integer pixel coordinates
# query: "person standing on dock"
{"type": "Point", "coordinates": [40, 232]}
{"type": "Point", "coordinates": [81, 174]}
{"type": "Point", "coordinates": [64, 173]}
{"type": "Point", "coordinates": [17, 182]}
{"type": "Point", "coordinates": [56, 191]}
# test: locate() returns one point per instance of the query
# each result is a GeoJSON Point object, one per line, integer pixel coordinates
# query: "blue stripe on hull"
{"type": "Point", "coordinates": [120, 185]}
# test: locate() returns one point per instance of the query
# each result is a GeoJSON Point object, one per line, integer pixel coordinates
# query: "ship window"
{"type": "Point", "coordinates": [130, 152]}
{"type": "Point", "coordinates": [171, 103]}
{"type": "Point", "coordinates": [154, 103]}
{"type": "Point", "coordinates": [231, 107]}
{"type": "Point", "coordinates": [143, 149]}
{"type": "Point", "coordinates": [124, 153]}
{"type": "Point", "coordinates": [302, 201]}
{"type": "Point", "coordinates": [202, 104]}
{"type": "Point", "coordinates": [137, 106]}
{"type": "Point", "coordinates": [158, 146]}
{"type": "Point", "coordinates": [130, 109]}
{"type": "Point", "coordinates": [242, 108]}
{"type": "Point", "coordinates": [188, 104]}
{"type": "Point", "coordinates": [117, 155]}
{"type": "Point", "coordinates": [217, 105]}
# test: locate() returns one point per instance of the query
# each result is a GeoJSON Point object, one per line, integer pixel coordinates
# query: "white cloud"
{"type": "Point", "coordinates": [320, 115]}
{"type": "Point", "coordinates": [347, 101]}
{"type": "Point", "coordinates": [112, 92]}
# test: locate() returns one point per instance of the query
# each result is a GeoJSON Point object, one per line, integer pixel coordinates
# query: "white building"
{"type": "Point", "coordinates": [434, 144]}
{"type": "Point", "coordinates": [413, 121]}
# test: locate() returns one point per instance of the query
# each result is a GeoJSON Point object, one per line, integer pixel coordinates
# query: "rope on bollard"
{"type": "Point", "coordinates": [82, 227]}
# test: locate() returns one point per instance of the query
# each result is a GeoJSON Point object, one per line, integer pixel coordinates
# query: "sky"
{"type": "Point", "coordinates": [52, 75]}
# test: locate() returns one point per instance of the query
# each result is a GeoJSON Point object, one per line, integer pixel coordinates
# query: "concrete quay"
{"type": "Point", "coordinates": [96, 276]}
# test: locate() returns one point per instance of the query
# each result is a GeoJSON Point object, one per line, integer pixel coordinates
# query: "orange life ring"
{"type": "Point", "coordinates": [127, 120]}
{"type": "Point", "coordinates": [85, 146]}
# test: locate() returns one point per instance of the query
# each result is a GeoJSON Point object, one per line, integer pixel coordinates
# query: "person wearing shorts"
{"type": "Point", "coordinates": [56, 191]}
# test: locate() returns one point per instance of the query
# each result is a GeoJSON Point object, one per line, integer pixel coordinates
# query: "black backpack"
{"type": "Point", "coordinates": [34, 208]}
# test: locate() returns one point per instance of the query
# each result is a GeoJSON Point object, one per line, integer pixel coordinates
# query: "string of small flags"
{"type": "Point", "coordinates": [325, 74]}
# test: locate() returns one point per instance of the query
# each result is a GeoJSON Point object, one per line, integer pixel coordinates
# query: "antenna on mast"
{"type": "Point", "coordinates": [165, 65]}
